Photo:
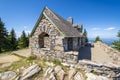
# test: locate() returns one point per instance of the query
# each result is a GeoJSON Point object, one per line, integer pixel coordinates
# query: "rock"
{"type": "Point", "coordinates": [48, 71]}
{"type": "Point", "coordinates": [71, 73]}
{"type": "Point", "coordinates": [17, 78]}
{"type": "Point", "coordinates": [61, 75]}
{"type": "Point", "coordinates": [78, 76]}
{"type": "Point", "coordinates": [50, 64]}
{"type": "Point", "coordinates": [9, 75]}
{"type": "Point", "coordinates": [57, 69]}
{"type": "Point", "coordinates": [30, 71]}
{"type": "Point", "coordinates": [60, 72]}
{"type": "Point", "coordinates": [91, 76]}
{"type": "Point", "coordinates": [65, 64]}
{"type": "Point", "coordinates": [52, 77]}
{"type": "Point", "coordinates": [111, 65]}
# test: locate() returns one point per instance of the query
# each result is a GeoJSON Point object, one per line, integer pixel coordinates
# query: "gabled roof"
{"type": "Point", "coordinates": [63, 26]}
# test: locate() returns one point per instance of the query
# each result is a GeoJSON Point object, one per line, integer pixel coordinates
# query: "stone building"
{"type": "Point", "coordinates": [56, 38]}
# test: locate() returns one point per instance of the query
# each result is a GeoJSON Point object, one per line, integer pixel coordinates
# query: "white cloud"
{"type": "Point", "coordinates": [28, 31]}
{"type": "Point", "coordinates": [109, 28]}
{"type": "Point", "coordinates": [95, 28]}
{"type": "Point", "coordinates": [18, 33]}
{"type": "Point", "coordinates": [25, 28]}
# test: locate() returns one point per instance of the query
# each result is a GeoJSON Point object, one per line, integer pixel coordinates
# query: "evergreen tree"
{"type": "Point", "coordinates": [117, 43]}
{"type": "Point", "coordinates": [85, 34]}
{"type": "Point", "coordinates": [28, 39]}
{"type": "Point", "coordinates": [3, 36]}
{"type": "Point", "coordinates": [97, 39]}
{"type": "Point", "coordinates": [12, 40]}
{"type": "Point", "coordinates": [22, 41]}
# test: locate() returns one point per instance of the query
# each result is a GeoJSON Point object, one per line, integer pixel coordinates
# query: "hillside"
{"type": "Point", "coordinates": [14, 66]}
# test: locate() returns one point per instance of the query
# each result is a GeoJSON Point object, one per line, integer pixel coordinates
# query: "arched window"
{"type": "Point", "coordinates": [44, 41]}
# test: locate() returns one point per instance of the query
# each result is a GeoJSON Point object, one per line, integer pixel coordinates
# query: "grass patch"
{"type": "Point", "coordinates": [4, 69]}
{"type": "Point", "coordinates": [31, 58]}
{"type": "Point", "coordinates": [94, 72]}
{"type": "Point", "coordinates": [57, 62]}
{"type": "Point", "coordinates": [18, 55]}
{"type": "Point", "coordinates": [6, 52]}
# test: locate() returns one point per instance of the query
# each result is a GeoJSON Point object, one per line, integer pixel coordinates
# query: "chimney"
{"type": "Point", "coordinates": [70, 20]}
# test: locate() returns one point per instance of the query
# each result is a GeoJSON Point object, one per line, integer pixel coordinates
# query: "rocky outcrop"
{"type": "Point", "coordinates": [71, 73]}
{"type": "Point", "coordinates": [78, 76]}
{"type": "Point", "coordinates": [83, 70]}
{"type": "Point", "coordinates": [110, 71]}
{"type": "Point", "coordinates": [91, 76]}
{"type": "Point", "coordinates": [30, 71]}
{"type": "Point", "coordinates": [9, 75]}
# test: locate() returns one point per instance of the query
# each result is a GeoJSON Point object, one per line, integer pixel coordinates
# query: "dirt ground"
{"type": "Point", "coordinates": [5, 58]}
{"type": "Point", "coordinates": [23, 52]}
{"type": "Point", "coordinates": [95, 54]}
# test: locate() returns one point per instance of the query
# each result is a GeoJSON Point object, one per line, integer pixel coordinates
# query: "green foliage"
{"type": "Point", "coordinates": [3, 37]}
{"type": "Point", "coordinates": [118, 34]}
{"type": "Point", "coordinates": [117, 42]}
{"type": "Point", "coordinates": [85, 34]}
{"type": "Point", "coordinates": [23, 41]}
{"type": "Point", "coordinates": [12, 40]}
{"type": "Point", "coordinates": [97, 39]}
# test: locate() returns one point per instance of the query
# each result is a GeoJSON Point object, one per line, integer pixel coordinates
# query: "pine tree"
{"type": "Point", "coordinates": [97, 39]}
{"type": "Point", "coordinates": [28, 39]}
{"type": "Point", "coordinates": [12, 40]}
{"type": "Point", "coordinates": [85, 34]}
{"type": "Point", "coordinates": [3, 36]}
{"type": "Point", "coordinates": [22, 41]}
{"type": "Point", "coordinates": [117, 42]}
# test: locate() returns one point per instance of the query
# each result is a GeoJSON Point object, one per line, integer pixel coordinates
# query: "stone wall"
{"type": "Point", "coordinates": [57, 47]}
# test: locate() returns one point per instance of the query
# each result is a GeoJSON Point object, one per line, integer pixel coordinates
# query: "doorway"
{"type": "Point", "coordinates": [70, 44]}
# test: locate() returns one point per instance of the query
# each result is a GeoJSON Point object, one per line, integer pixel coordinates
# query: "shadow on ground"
{"type": "Point", "coordinates": [84, 53]}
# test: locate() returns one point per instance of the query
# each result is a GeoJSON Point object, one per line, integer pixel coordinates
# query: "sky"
{"type": "Point", "coordinates": [99, 17]}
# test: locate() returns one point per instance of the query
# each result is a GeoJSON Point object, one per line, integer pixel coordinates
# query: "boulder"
{"type": "Point", "coordinates": [59, 72]}
{"type": "Point", "coordinates": [91, 76]}
{"type": "Point", "coordinates": [48, 71]}
{"type": "Point", "coordinates": [71, 73]}
{"type": "Point", "coordinates": [78, 76]}
{"type": "Point", "coordinates": [61, 75]}
{"type": "Point", "coordinates": [57, 69]}
{"type": "Point", "coordinates": [52, 77]}
{"type": "Point", "coordinates": [50, 64]}
{"type": "Point", "coordinates": [9, 75]}
{"type": "Point", "coordinates": [65, 64]}
{"type": "Point", "coordinates": [30, 71]}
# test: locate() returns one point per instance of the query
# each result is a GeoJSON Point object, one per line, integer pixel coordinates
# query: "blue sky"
{"type": "Point", "coordinates": [99, 17]}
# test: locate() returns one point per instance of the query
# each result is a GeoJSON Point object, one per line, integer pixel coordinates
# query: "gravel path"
{"type": "Point", "coordinates": [23, 52]}
{"type": "Point", "coordinates": [99, 55]}
{"type": "Point", "coordinates": [95, 54]}
{"type": "Point", "coordinates": [5, 58]}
